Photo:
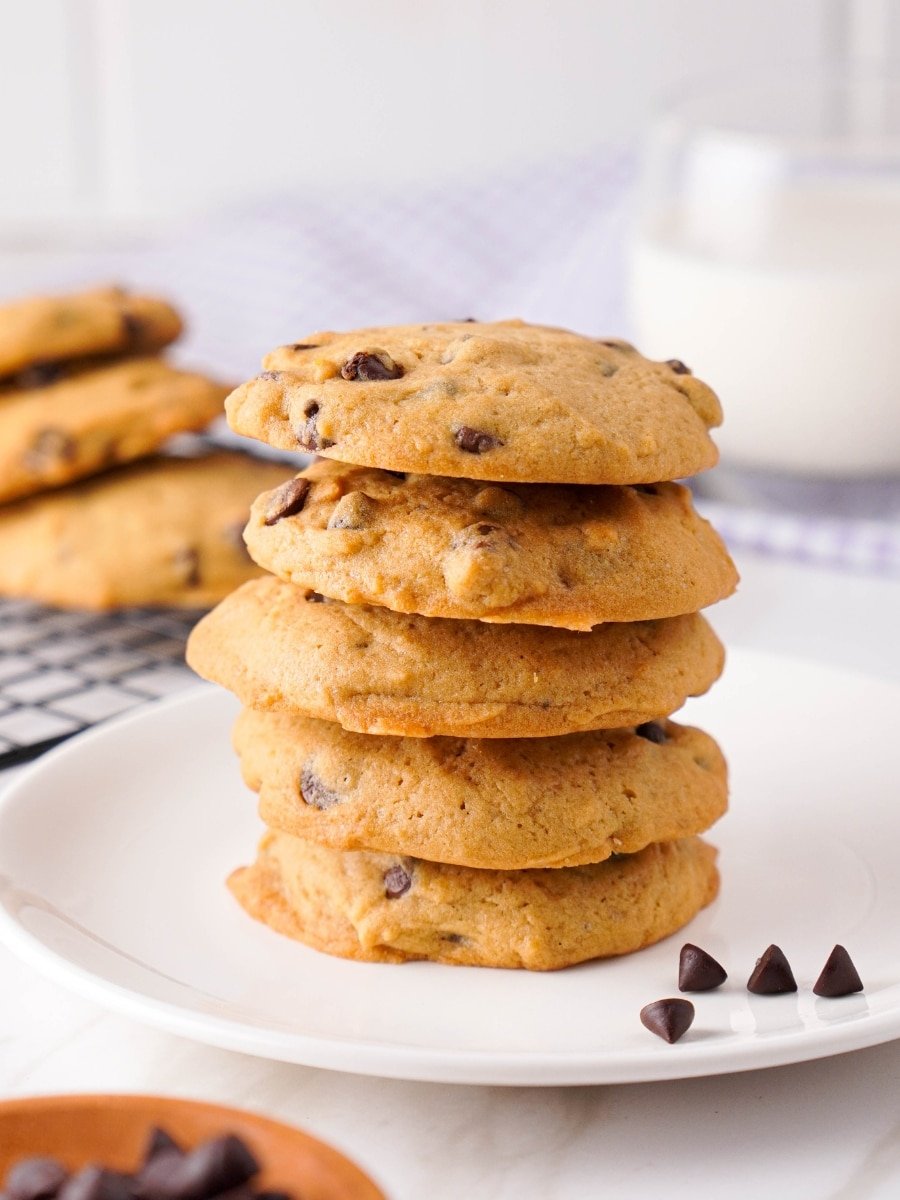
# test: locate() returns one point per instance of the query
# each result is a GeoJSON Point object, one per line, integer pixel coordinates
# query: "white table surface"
{"type": "Point", "coordinates": [828, 1130]}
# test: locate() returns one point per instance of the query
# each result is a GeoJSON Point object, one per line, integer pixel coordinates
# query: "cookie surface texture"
{"type": "Point", "coordinates": [507, 804]}
{"type": "Point", "coordinates": [95, 419]}
{"type": "Point", "coordinates": [501, 401]}
{"type": "Point", "coordinates": [572, 557]}
{"type": "Point", "coordinates": [386, 908]}
{"type": "Point", "coordinates": [165, 531]}
{"type": "Point", "coordinates": [101, 321]}
{"type": "Point", "coordinates": [377, 671]}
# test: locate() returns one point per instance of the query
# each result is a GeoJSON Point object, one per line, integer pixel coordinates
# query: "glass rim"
{"type": "Point", "coordinates": [700, 105]}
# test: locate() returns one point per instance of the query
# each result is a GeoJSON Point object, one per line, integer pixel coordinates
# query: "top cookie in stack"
{"type": "Point", "coordinates": [83, 390]}
{"type": "Point", "coordinates": [504, 401]}
{"type": "Point", "coordinates": [479, 483]}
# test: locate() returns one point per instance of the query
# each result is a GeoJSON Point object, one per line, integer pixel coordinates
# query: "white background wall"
{"type": "Point", "coordinates": [148, 109]}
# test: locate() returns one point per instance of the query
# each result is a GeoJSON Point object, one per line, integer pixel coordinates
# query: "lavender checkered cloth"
{"type": "Point", "coordinates": [546, 245]}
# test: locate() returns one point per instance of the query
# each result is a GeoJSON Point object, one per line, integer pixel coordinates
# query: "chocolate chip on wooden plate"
{"type": "Point", "coordinates": [217, 1169]}
{"type": "Point", "coordinates": [34, 1179]}
{"type": "Point", "coordinates": [95, 1183]}
{"type": "Point", "coordinates": [214, 1167]}
{"type": "Point", "coordinates": [160, 1141]}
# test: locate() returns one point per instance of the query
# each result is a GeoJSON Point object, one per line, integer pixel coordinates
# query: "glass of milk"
{"type": "Point", "coordinates": [767, 256]}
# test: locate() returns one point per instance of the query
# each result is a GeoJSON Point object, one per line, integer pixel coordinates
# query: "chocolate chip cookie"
{"type": "Point", "coordinates": [501, 401]}
{"type": "Point", "coordinates": [162, 532]}
{"type": "Point", "coordinates": [506, 804]}
{"type": "Point", "coordinates": [388, 908]}
{"type": "Point", "coordinates": [45, 330]}
{"type": "Point", "coordinates": [537, 554]}
{"type": "Point", "coordinates": [97, 418]}
{"type": "Point", "coordinates": [377, 671]}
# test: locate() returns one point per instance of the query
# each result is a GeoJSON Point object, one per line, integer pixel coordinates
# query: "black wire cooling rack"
{"type": "Point", "coordinates": [62, 672]}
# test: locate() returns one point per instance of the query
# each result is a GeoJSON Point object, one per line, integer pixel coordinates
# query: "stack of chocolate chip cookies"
{"type": "Point", "coordinates": [483, 605]}
{"type": "Point", "coordinates": [83, 389]}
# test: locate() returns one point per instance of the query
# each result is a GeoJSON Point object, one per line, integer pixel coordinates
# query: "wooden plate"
{"type": "Point", "coordinates": [112, 1130]}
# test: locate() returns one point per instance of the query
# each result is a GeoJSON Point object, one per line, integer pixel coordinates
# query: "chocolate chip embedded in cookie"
{"type": "Point", "coordinates": [377, 671]}
{"type": "Point", "coordinates": [94, 419]}
{"type": "Point", "coordinates": [159, 532]}
{"type": "Point", "coordinates": [40, 331]}
{"type": "Point", "coordinates": [501, 401]}
{"type": "Point", "coordinates": [538, 554]}
{"type": "Point", "coordinates": [286, 500]}
{"type": "Point", "coordinates": [499, 803]}
{"type": "Point", "coordinates": [370, 366]}
{"type": "Point", "coordinates": [380, 908]}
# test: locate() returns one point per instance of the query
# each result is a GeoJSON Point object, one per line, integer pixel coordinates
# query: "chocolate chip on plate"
{"type": "Point", "coordinates": [676, 365]}
{"type": "Point", "coordinates": [652, 731]}
{"type": "Point", "coordinates": [287, 500]}
{"type": "Point", "coordinates": [475, 441]}
{"type": "Point", "coordinates": [699, 971]}
{"type": "Point", "coordinates": [668, 1019]}
{"type": "Point", "coordinates": [839, 977]}
{"type": "Point", "coordinates": [772, 974]}
{"type": "Point", "coordinates": [304, 345]}
{"type": "Point", "coordinates": [34, 1179]}
{"type": "Point", "coordinates": [371, 367]}
{"type": "Point", "coordinates": [397, 882]}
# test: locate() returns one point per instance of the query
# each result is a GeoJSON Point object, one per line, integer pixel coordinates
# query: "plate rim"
{"type": "Point", "coordinates": [396, 1060]}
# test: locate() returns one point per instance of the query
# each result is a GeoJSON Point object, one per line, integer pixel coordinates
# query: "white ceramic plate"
{"type": "Point", "coordinates": [114, 848]}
